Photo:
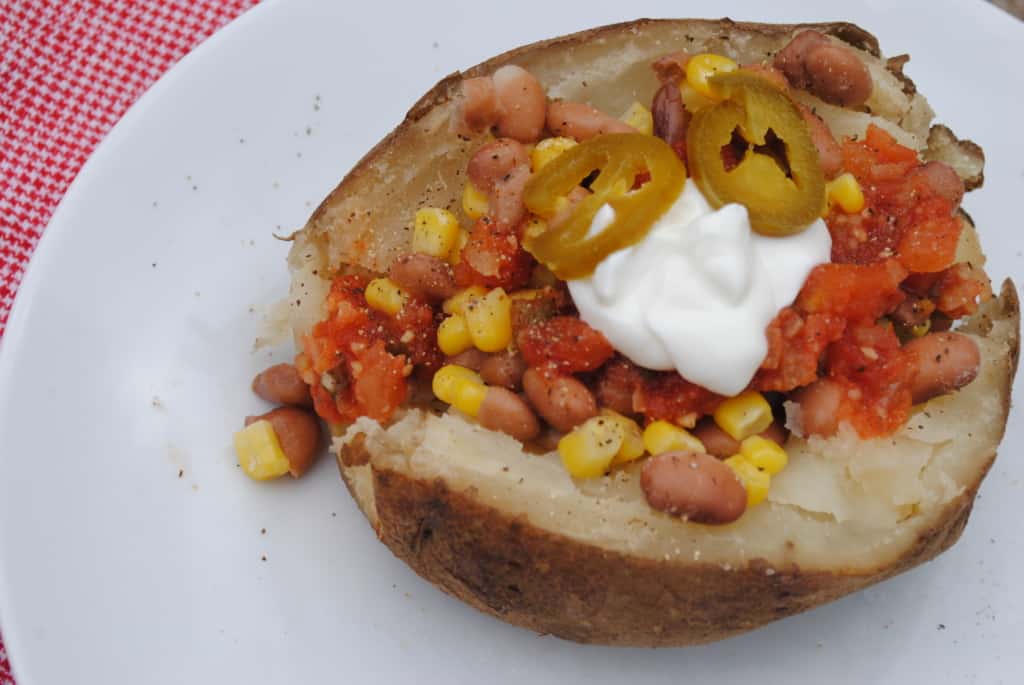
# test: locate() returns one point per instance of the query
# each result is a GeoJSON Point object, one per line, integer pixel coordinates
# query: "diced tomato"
{"type": "Point", "coordinates": [876, 374]}
{"type": "Point", "coordinates": [929, 242]}
{"type": "Point", "coordinates": [669, 396]}
{"type": "Point", "coordinates": [351, 347]}
{"type": "Point", "coordinates": [413, 332]}
{"type": "Point", "coordinates": [853, 291]}
{"type": "Point", "coordinates": [957, 290]}
{"type": "Point", "coordinates": [493, 257]}
{"type": "Point", "coordinates": [378, 386]}
{"type": "Point", "coordinates": [565, 343]}
{"type": "Point", "coordinates": [795, 346]}
{"type": "Point", "coordinates": [905, 216]}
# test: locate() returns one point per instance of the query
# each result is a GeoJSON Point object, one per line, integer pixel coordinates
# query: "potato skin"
{"type": "Point", "coordinates": [509, 568]}
{"type": "Point", "coordinates": [514, 571]}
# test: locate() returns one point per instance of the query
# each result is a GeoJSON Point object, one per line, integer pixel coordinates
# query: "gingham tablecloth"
{"type": "Point", "coordinates": [68, 70]}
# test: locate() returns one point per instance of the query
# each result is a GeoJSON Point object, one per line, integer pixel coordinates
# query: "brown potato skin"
{"type": "Point", "coordinates": [514, 571]}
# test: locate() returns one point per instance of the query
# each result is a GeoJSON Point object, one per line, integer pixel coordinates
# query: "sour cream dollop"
{"type": "Point", "coordinates": [697, 293]}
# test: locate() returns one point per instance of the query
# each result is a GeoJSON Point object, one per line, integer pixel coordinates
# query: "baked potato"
{"type": "Point", "coordinates": [509, 532]}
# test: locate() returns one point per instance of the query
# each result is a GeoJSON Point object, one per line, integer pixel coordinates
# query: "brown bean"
{"type": "Point", "coordinates": [838, 76]}
{"type": "Point", "coordinates": [791, 60]}
{"type": "Point", "coordinates": [829, 153]}
{"type": "Point", "coordinates": [693, 485]}
{"type": "Point", "coordinates": [506, 197]}
{"type": "Point", "coordinates": [523, 102]}
{"type": "Point", "coordinates": [943, 180]}
{"type": "Point", "coordinates": [494, 161]}
{"type": "Point", "coordinates": [478, 107]}
{"type": "Point", "coordinates": [282, 384]}
{"type": "Point", "coordinates": [503, 369]}
{"type": "Point", "coordinates": [819, 407]}
{"type": "Point", "coordinates": [562, 401]}
{"type": "Point", "coordinates": [582, 122]}
{"type": "Point", "coordinates": [298, 431]}
{"type": "Point", "coordinates": [503, 410]}
{"type": "Point", "coordinates": [424, 274]}
{"type": "Point", "coordinates": [471, 359]}
{"type": "Point", "coordinates": [722, 445]}
{"type": "Point", "coordinates": [832, 72]}
{"type": "Point", "coordinates": [945, 362]}
{"type": "Point", "coordinates": [670, 117]}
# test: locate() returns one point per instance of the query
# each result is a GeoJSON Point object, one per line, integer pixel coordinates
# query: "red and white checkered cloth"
{"type": "Point", "coordinates": [68, 70]}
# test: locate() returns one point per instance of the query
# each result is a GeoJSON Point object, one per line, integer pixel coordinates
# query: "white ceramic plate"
{"type": "Point", "coordinates": [132, 548]}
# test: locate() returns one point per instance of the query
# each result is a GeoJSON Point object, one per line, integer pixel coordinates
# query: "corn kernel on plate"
{"type": "Point", "coordinates": [134, 549]}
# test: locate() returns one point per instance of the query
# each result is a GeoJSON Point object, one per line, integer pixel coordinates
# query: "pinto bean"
{"type": "Point", "coordinates": [720, 444]}
{"type": "Point", "coordinates": [838, 76]}
{"type": "Point", "coordinates": [503, 369]}
{"type": "Point", "coordinates": [298, 431]}
{"type": "Point", "coordinates": [493, 161]}
{"type": "Point", "coordinates": [523, 102]}
{"type": "Point", "coordinates": [582, 122]}
{"type": "Point", "coordinates": [506, 198]}
{"type": "Point", "coordinates": [945, 362]}
{"type": "Point", "coordinates": [562, 401]}
{"type": "Point", "coordinates": [424, 274]}
{"type": "Point", "coordinates": [831, 72]}
{"type": "Point", "coordinates": [943, 180]}
{"type": "Point", "coordinates": [819, 407]}
{"type": "Point", "coordinates": [471, 359]}
{"type": "Point", "coordinates": [670, 117]}
{"type": "Point", "coordinates": [829, 153]}
{"type": "Point", "coordinates": [693, 485]}
{"type": "Point", "coordinates": [282, 384]}
{"type": "Point", "coordinates": [503, 410]}
{"type": "Point", "coordinates": [478, 107]}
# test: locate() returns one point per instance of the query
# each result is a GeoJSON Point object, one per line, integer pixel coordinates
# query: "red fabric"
{"type": "Point", "coordinates": [68, 70]}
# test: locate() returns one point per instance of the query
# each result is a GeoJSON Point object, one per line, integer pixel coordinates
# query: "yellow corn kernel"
{"type": "Point", "coordinates": [920, 329]}
{"type": "Point", "coordinates": [547, 149]}
{"type": "Point", "coordinates": [588, 451]}
{"type": "Point", "coordinates": [453, 335]}
{"type": "Point", "coordinates": [640, 118]}
{"type": "Point", "coordinates": [455, 256]}
{"type": "Point", "coordinates": [456, 304]}
{"type": "Point", "coordinates": [755, 481]}
{"type": "Point", "coordinates": [384, 295]}
{"type": "Point", "coordinates": [765, 454]}
{"type": "Point", "coordinates": [632, 438]}
{"type": "Point", "coordinates": [459, 387]}
{"type": "Point", "coordinates": [259, 451]}
{"type": "Point", "coordinates": [844, 191]}
{"type": "Point", "coordinates": [474, 202]}
{"type": "Point", "coordinates": [490, 321]}
{"type": "Point", "coordinates": [435, 231]}
{"type": "Point", "coordinates": [692, 100]}
{"type": "Point", "coordinates": [662, 436]}
{"type": "Point", "coordinates": [744, 415]}
{"type": "Point", "coordinates": [702, 67]}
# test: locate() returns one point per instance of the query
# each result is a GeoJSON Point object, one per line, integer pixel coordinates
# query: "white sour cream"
{"type": "Point", "coordinates": [697, 293]}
